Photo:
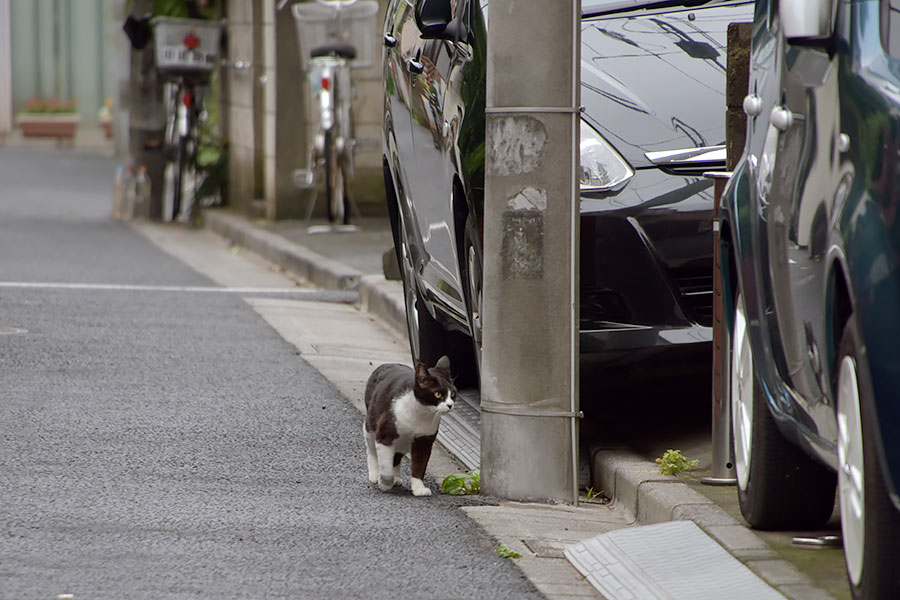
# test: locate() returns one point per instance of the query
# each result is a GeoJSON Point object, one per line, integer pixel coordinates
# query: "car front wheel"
{"type": "Point", "coordinates": [870, 525]}
{"type": "Point", "coordinates": [474, 278]}
{"type": "Point", "coordinates": [779, 486]}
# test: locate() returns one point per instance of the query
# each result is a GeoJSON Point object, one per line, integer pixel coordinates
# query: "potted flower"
{"type": "Point", "coordinates": [49, 118]}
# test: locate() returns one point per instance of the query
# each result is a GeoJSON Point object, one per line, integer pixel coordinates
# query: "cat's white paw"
{"type": "Point", "coordinates": [373, 477]}
{"type": "Point", "coordinates": [398, 480]}
{"type": "Point", "coordinates": [385, 484]}
{"type": "Point", "coordinates": [419, 488]}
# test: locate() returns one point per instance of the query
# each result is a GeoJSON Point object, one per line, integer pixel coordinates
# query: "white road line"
{"type": "Point", "coordinates": [112, 287]}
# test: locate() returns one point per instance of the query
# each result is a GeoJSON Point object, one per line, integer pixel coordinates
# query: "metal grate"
{"type": "Point", "coordinates": [460, 431]}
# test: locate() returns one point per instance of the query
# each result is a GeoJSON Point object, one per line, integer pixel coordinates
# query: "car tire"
{"type": "Point", "coordinates": [779, 486]}
{"type": "Point", "coordinates": [474, 277]}
{"type": "Point", "coordinates": [871, 545]}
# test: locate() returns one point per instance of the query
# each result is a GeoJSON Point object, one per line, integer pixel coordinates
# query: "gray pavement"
{"type": "Point", "coordinates": [161, 440]}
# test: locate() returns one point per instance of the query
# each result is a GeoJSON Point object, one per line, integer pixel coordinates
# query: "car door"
{"type": "Point", "coordinates": [436, 115]}
{"type": "Point", "coordinates": [434, 177]}
{"type": "Point", "coordinates": [803, 183]}
{"type": "Point", "coordinates": [401, 39]}
{"type": "Point", "coordinates": [761, 151]}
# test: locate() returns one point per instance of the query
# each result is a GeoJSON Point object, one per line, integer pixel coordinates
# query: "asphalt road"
{"type": "Point", "coordinates": [161, 443]}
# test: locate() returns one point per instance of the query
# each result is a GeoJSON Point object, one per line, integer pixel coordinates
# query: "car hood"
{"type": "Point", "coordinates": [655, 80]}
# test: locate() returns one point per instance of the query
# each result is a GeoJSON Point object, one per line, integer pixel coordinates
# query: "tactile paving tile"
{"type": "Point", "coordinates": [670, 561]}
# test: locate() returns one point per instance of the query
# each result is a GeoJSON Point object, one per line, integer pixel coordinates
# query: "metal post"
{"type": "Point", "coordinates": [722, 452]}
{"type": "Point", "coordinates": [529, 441]}
{"type": "Point", "coordinates": [738, 70]}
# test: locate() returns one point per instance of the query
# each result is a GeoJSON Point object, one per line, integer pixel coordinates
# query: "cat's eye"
{"type": "Point", "coordinates": [438, 395]}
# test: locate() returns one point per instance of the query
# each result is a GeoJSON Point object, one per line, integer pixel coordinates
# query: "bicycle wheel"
{"type": "Point", "coordinates": [181, 149]}
{"type": "Point", "coordinates": [345, 195]}
{"type": "Point", "coordinates": [178, 165]}
{"type": "Point", "coordinates": [189, 177]}
{"type": "Point", "coordinates": [172, 151]}
{"type": "Point", "coordinates": [334, 180]}
{"type": "Point", "coordinates": [171, 134]}
{"type": "Point", "coordinates": [337, 196]}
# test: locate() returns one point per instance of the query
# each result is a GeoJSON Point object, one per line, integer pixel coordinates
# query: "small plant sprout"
{"type": "Point", "coordinates": [462, 484]}
{"type": "Point", "coordinates": [674, 462]}
{"type": "Point", "coordinates": [591, 494]}
{"type": "Point", "coordinates": [503, 551]}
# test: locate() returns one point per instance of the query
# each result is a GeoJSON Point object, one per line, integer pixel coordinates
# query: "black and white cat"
{"type": "Point", "coordinates": [403, 413]}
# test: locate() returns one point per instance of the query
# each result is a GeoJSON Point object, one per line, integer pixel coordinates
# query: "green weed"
{"type": "Point", "coordinates": [461, 484]}
{"type": "Point", "coordinates": [674, 462]}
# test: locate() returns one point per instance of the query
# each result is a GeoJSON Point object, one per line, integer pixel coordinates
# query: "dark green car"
{"type": "Point", "coordinates": [811, 229]}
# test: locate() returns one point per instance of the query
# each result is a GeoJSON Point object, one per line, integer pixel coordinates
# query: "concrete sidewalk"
{"type": "Point", "coordinates": [353, 261]}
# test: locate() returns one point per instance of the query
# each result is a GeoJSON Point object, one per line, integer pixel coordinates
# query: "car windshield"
{"type": "Point", "coordinates": [602, 7]}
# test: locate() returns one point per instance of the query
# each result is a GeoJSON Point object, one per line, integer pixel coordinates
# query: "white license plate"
{"type": "Point", "coordinates": [183, 56]}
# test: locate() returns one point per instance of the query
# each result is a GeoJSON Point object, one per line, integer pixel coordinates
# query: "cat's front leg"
{"type": "Point", "coordinates": [385, 466]}
{"type": "Point", "coordinates": [418, 461]}
{"type": "Point", "coordinates": [371, 454]}
{"type": "Point", "coordinates": [398, 479]}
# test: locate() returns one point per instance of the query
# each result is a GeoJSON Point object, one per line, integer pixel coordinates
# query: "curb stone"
{"type": "Point", "coordinates": [315, 268]}
{"type": "Point", "coordinates": [384, 299]}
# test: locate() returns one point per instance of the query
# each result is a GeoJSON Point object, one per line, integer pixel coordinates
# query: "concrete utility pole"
{"type": "Point", "coordinates": [529, 440]}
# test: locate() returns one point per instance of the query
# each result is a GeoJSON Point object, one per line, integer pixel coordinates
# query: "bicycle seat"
{"type": "Point", "coordinates": [340, 50]}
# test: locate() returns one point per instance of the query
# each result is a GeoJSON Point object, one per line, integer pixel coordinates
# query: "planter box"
{"type": "Point", "coordinates": [58, 126]}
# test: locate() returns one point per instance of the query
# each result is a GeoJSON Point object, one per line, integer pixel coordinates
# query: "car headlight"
{"type": "Point", "coordinates": [602, 168]}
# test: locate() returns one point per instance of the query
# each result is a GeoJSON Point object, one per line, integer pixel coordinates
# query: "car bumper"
{"type": "Point", "coordinates": [621, 338]}
{"type": "Point", "coordinates": [647, 264]}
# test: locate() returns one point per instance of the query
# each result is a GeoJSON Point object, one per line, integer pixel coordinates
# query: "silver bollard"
{"type": "Point", "coordinates": [722, 450]}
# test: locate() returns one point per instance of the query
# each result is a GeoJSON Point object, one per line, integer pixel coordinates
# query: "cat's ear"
{"type": "Point", "coordinates": [422, 376]}
{"type": "Point", "coordinates": [443, 363]}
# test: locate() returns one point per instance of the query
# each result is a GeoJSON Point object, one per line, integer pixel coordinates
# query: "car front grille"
{"type": "Point", "coordinates": [697, 296]}
{"type": "Point", "coordinates": [601, 305]}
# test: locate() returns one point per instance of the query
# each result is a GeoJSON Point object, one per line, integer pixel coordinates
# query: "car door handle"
{"type": "Point", "coordinates": [752, 105]}
{"type": "Point", "coordinates": [843, 143]}
{"type": "Point", "coordinates": [415, 66]}
{"type": "Point", "coordinates": [389, 41]}
{"type": "Point", "coordinates": [781, 118]}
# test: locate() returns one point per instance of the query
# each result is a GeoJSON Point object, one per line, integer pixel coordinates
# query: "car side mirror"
{"type": "Point", "coordinates": [435, 19]}
{"type": "Point", "coordinates": [807, 22]}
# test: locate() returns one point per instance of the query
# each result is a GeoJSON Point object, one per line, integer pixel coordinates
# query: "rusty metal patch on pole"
{"type": "Point", "coordinates": [522, 248]}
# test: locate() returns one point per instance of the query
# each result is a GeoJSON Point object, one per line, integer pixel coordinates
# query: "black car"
{"type": "Point", "coordinates": [811, 234]}
{"type": "Point", "coordinates": [653, 81]}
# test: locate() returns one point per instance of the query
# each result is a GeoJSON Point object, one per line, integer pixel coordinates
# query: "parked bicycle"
{"type": "Point", "coordinates": [186, 54]}
{"type": "Point", "coordinates": [335, 36]}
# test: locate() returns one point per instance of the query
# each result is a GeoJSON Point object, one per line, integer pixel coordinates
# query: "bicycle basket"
{"type": "Point", "coordinates": [321, 25]}
{"type": "Point", "coordinates": [186, 46]}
